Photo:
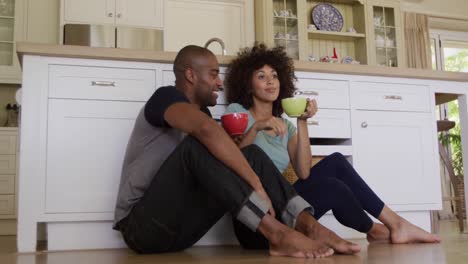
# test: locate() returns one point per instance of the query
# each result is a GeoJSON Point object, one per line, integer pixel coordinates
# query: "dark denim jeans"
{"type": "Point", "coordinates": [193, 190]}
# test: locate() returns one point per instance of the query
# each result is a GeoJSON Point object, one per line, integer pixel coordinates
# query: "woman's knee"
{"type": "Point", "coordinates": [338, 157]}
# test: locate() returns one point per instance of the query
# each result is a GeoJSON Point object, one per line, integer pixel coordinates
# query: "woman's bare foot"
{"type": "Point", "coordinates": [402, 231]}
{"type": "Point", "coordinates": [405, 232]}
{"type": "Point", "coordinates": [294, 244]}
{"type": "Point", "coordinates": [307, 225]}
{"type": "Point", "coordinates": [378, 233]}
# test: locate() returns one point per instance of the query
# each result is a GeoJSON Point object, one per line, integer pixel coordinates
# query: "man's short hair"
{"type": "Point", "coordinates": [186, 56]}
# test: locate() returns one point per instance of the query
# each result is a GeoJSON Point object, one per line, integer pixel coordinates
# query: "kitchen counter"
{"type": "Point", "coordinates": [168, 57]}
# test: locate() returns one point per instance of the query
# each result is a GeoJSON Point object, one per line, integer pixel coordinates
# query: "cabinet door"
{"type": "Point", "coordinates": [386, 33]}
{"type": "Point", "coordinates": [142, 13]}
{"type": "Point", "coordinates": [11, 29]}
{"type": "Point", "coordinates": [89, 11]}
{"type": "Point", "coordinates": [395, 154]}
{"type": "Point", "coordinates": [86, 144]}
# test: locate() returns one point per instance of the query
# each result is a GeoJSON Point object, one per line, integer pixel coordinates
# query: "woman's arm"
{"type": "Point", "coordinates": [273, 123]}
{"type": "Point", "coordinates": [299, 144]}
{"type": "Point", "coordinates": [299, 150]}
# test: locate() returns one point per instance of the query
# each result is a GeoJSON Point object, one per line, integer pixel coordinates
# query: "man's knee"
{"type": "Point", "coordinates": [254, 151]}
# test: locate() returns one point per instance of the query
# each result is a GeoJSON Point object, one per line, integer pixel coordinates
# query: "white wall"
{"type": "Point", "coordinates": [444, 8]}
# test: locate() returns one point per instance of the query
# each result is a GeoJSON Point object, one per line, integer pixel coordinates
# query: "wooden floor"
{"type": "Point", "coordinates": [453, 249]}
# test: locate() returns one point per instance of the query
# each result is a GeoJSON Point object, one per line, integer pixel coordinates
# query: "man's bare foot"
{"type": "Point", "coordinates": [307, 225]}
{"type": "Point", "coordinates": [290, 243]}
{"type": "Point", "coordinates": [287, 242]}
{"type": "Point", "coordinates": [405, 232]}
{"type": "Point", "coordinates": [378, 233]}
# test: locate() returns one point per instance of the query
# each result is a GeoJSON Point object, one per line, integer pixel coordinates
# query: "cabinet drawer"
{"type": "Point", "coordinates": [7, 144]}
{"type": "Point", "coordinates": [329, 123]}
{"type": "Point", "coordinates": [7, 164]}
{"type": "Point", "coordinates": [390, 96]}
{"type": "Point", "coordinates": [7, 184]}
{"type": "Point", "coordinates": [7, 204]}
{"type": "Point", "coordinates": [330, 93]}
{"type": "Point", "coordinates": [85, 82]}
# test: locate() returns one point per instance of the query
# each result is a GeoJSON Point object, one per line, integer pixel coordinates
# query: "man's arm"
{"type": "Point", "coordinates": [188, 118]}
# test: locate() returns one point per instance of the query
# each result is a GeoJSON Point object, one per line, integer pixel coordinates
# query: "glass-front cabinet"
{"type": "Point", "coordinates": [285, 26]}
{"type": "Point", "coordinates": [277, 24]}
{"type": "Point", "coordinates": [9, 66]}
{"type": "Point", "coordinates": [386, 33]}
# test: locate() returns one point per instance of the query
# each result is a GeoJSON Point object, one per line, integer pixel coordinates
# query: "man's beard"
{"type": "Point", "coordinates": [206, 99]}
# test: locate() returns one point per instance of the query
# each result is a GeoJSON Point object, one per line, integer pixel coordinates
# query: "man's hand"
{"type": "Point", "coordinates": [237, 139]}
{"type": "Point", "coordinates": [264, 195]}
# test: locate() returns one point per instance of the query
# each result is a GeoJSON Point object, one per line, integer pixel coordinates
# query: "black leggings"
{"type": "Point", "coordinates": [333, 184]}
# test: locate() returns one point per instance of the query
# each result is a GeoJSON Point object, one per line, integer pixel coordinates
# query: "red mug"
{"type": "Point", "coordinates": [235, 123]}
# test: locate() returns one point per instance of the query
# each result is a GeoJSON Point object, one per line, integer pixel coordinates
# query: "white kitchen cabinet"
{"type": "Point", "coordinates": [89, 11]}
{"type": "Point", "coordinates": [141, 13]}
{"type": "Point", "coordinates": [84, 179]}
{"type": "Point", "coordinates": [394, 153]}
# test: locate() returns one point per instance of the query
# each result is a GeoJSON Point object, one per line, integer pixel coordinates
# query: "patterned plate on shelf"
{"type": "Point", "coordinates": [327, 17]}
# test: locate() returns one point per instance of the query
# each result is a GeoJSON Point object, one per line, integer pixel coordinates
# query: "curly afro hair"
{"type": "Point", "coordinates": [239, 73]}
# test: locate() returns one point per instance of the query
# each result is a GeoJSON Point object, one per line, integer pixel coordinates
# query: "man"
{"type": "Point", "coordinates": [182, 173]}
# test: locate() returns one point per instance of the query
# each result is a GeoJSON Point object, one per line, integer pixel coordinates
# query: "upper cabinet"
{"type": "Point", "coordinates": [89, 11]}
{"type": "Point", "coordinates": [143, 13]}
{"type": "Point", "coordinates": [369, 31]}
{"type": "Point", "coordinates": [277, 24]}
{"type": "Point", "coordinates": [385, 33]}
{"type": "Point", "coordinates": [10, 31]}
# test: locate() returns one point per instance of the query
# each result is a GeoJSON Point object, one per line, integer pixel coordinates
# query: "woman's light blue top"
{"type": "Point", "coordinates": [276, 147]}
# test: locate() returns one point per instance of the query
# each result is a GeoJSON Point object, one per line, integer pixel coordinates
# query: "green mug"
{"type": "Point", "coordinates": [294, 106]}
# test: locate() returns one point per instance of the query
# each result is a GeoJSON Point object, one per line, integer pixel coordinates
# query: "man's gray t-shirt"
{"type": "Point", "coordinates": [151, 142]}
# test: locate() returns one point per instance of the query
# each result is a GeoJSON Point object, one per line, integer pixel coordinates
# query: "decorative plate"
{"type": "Point", "coordinates": [327, 17]}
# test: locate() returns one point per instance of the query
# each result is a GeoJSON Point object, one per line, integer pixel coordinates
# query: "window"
{"type": "Point", "coordinates": [449, 51]}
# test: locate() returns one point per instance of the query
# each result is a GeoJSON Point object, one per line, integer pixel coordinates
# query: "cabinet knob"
{"type": "Point", "coordinates": [364, 124]}
{"type": "Point", "coordinates": [110, 15]}
{"type": "Point", "coordinates": [119, 15]}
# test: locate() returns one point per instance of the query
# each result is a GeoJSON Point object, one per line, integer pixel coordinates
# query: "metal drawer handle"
{"type": "Point", "coordinates": [393, 97]}
{"type": "Point", "coordinates": [314, 123]}
{"type": "Point", "coordinates": [102, 83]}
{"type": "Point", "coordinates": [110, 15]}
{"type": "Point", "coordinates": [364, 124]}
{"type": "Point", "coordinates": [306, 93]}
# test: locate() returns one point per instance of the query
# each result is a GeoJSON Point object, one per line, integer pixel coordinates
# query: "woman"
{"type": "Point", "coordinates": [256, 81]}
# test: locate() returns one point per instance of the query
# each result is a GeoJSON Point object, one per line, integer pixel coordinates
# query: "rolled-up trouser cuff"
{"type": "Point", "coordinates": [253, 211]}
{"type": "Point", "coordinates": [294, 207]}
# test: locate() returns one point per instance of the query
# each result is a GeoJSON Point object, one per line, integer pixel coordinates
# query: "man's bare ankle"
{"type": "Point", "coordinates": [305, 223]}
{"type": "Point", "coordinates": [272, 229]}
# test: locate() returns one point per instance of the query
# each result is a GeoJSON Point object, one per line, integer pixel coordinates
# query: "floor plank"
{"type": "Point", "coordinates": [453, 249]}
